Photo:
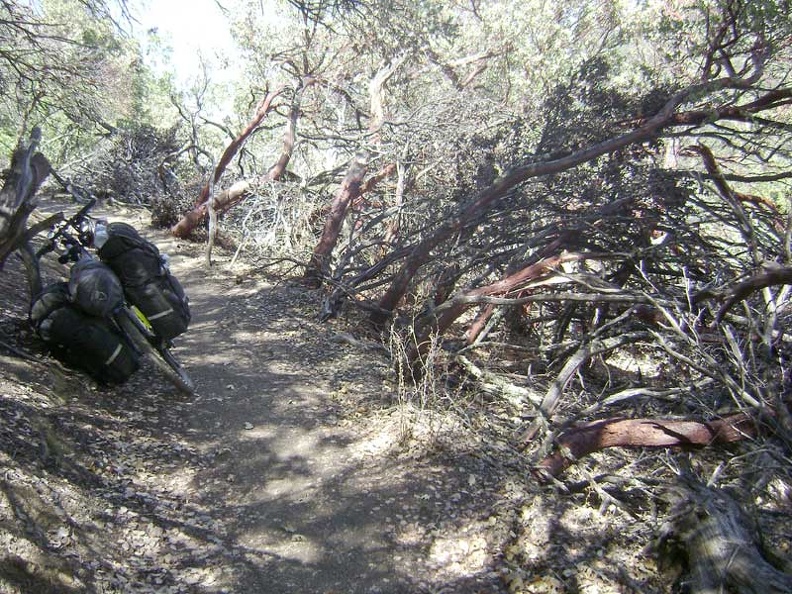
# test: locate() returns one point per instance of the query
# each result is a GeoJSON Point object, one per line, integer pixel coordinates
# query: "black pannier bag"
{"type": "Point", "coordinates": [94, 288]}
{"type": "Point", "coordinates": [147, 282]}
{"type": "Point", "coordinates": [80, 340]}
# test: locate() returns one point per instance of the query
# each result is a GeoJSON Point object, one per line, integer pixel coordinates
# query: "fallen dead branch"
{"type": "Point", "coordinates": [236, 193]}
{"type": "Point", "coordinates": [581, 440]}
{"type": "Point", "coordinates": [719, 542]}
{"type": "Point", "coordinates": [492, 383]}
{"type": "Point", "coordinates": [586, 351]}
{"type": "Point", "coordinates": [741, 291]}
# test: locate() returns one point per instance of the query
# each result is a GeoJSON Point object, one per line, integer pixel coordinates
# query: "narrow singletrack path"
{"type": "Point", "coordinates": [290, 470]}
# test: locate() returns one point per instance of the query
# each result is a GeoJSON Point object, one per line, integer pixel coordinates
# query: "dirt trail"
{"type": "Point", "coordinates": [288, 471]}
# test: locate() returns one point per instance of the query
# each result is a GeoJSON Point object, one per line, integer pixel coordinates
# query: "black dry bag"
{"type": "Point", "coordinates": [147, 282]}
{"type": "Point", "coordinates": [94, 288]}
{"type": "Point", "coordinates": [79, 340]}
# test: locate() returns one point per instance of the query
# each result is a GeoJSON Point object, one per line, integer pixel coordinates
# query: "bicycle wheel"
{"type": "Point", "coordinates": [161, 358]}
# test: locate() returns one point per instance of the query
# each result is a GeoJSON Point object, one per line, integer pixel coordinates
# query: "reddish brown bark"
{"type": "Point", "coordinates": [645, 130]}
{"type": "Point", "coordinates": [224, 201]}
{"type": "Point", "coordinates": [458, 305]}
{"type": "Point", "coordinates": [382, 174]}
{"type": "Point", "coordinates": [503, 286]}
{"type": "Point", "coordinates": [479, 323]}
{"type": "Point", "coordinates": [777, 276]}
{"type": "Point", "coordinates": [729, 297]}
{"type": "Point", "coordinates": [352, 190]}
{"type": "Point", "coordinates": [262, 110]}
{"type": "Point", "coordinates": [352, 187]}
{"type": "Point", "coordinates": [349, 190]}
{"type": "Point", "coordinates": [582, 440]}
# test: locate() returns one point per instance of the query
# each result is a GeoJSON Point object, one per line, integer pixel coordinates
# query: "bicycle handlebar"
{"type": "Point", "coordinates": [72, 243]}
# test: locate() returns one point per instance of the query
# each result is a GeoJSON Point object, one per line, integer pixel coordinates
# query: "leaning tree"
{"type": "Point", "coordinates": [478, 186]}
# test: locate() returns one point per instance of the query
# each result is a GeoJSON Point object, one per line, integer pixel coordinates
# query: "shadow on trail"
{"type": "Point", "coordinates": [266, 481]}
{"type": "Point", "coordinates": [303, 506]}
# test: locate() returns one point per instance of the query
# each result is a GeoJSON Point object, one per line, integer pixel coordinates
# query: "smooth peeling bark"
{"type": "Point", "coordinates": [349, 190]}
{"type": "Point", "coordinates": [196, 216]}
{"type": "Point", "coordinates": [582, 440]}
{"type": "Point", "coordinates": [452, 309]}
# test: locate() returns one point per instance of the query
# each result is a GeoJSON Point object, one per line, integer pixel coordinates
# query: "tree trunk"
{"type": "Point", "coordinates": [720, 543]}
{"type": "Point", "coordinates": [350, 190]}
{"type": "Point", "coordinates": [238, 191]}
{"type": "Point", "coordinates": [27, 172]}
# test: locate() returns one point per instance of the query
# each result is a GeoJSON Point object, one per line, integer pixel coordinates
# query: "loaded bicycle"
{"type": "Point", "coordinates": [118, 306]}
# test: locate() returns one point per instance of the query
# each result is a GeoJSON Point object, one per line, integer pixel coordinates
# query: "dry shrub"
{"type": "Point", "coordinates": [278, 220]}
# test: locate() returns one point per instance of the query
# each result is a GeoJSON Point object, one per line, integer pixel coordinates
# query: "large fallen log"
{"type": "Point", "coordinates": [718, 543]}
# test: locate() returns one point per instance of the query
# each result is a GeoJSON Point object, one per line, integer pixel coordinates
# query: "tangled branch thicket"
{"type": "Point", "coordinates": [562, 265]}
{"type": "Point", "coordinates": [633, 254]}
{"type": "Point", "coordinates": [279, 220]}
{"type": "Point", "coordinates": [139, 165]}
{"type": "Point", "coordinates": [620, 285]}
{"type": "Point", "coordinates": [630, 304]}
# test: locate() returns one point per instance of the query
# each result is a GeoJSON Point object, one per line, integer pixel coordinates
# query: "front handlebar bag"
{"type": "Point", "coordinates": [147, 282]}
{"type": "Point", "coordinates": [81, 341]}
{"type": "Point", "coordinates": [94, 288]}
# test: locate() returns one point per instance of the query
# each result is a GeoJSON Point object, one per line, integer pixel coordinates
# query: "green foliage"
{"type": "Point", "coordinates": [66, 67]}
